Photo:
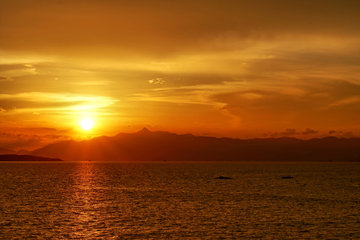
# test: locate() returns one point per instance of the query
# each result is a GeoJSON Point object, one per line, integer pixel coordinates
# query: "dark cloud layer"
{"type": "Point", "coordinates": [166, 27]}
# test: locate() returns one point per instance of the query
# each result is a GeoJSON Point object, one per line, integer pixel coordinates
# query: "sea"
{"type": "Point", "coordinates": [179, 200]}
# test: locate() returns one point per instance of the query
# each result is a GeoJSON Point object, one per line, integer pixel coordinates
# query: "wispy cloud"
{"type": "Point", "coordinates": [3, 79]}
{"type": "Point", "coordinates": [346, 101]}
{"type": "Point", "coordinates": [10, 74]}
{"type": "Point", "coordinates": [66, 102]}
{"type": "Point", "coordinates": [30, 138]}
{"type": "Point", "coordinates": [157, 81]}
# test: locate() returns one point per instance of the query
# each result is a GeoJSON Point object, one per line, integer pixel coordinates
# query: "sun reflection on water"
{"type": "Point", "coordinates": [87, 205]}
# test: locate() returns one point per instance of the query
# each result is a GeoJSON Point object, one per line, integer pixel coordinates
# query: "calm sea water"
{"type": "Point", "coordinates": [179, 200]}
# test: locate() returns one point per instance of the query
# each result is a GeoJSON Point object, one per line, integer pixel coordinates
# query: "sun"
{"type": "Point", "coordinates": [87, 124]}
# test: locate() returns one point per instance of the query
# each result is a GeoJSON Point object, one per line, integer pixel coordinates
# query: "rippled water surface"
{"type": "Point", "coordinates": [179, 200]}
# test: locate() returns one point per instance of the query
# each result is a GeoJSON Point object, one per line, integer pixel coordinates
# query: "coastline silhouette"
{"type": "Point", "coordinates": [16, 157]}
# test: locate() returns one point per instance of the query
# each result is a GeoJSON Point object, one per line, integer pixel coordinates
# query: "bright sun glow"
{"type": "Point", "coordinates": [86, 124]}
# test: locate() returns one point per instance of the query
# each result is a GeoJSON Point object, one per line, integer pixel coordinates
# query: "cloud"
{"type": "Point", "coordinates": [271, 134]}
{"type": "Point", "coordinates": [30, 138]}
{"type": "Point", "coordinates": [91, 83]}
{"type": "Point", "coordinates": [2, 110]}
{"type": "Point", "coordinates": [182, 30]}
{"type": "Point", "coordinates": [309, 131]}
{"type": "Point", "coordinates": [4, 79]}
{"type": "Point", "coordinates": [11, 74]}
{"type": "Point", "coordinates": [157, 81]}
{"type": "Point", "coordinates": [341, 134]}
{"type": "Point", "coordinates": [348, 135]}
{"type": "Point", "coordinates": [289, 132]}
{"type": "Point", "coordinates": [348, 100]}
{"type": "Point", "coordinates": [48, 102]}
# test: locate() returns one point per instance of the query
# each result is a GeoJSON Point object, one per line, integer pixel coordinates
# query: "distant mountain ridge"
{"type": "Point", "coordinates": [164, 146]}
{"type": "Point", "coordinates": [6, 151]}
{"type": "Point", "coordinates": [9, 151]}
{"type": "Point", "coordinates": [15, 157]}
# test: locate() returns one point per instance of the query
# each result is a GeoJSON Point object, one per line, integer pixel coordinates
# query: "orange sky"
{"type": "Point", "coordinates": [239, 69]}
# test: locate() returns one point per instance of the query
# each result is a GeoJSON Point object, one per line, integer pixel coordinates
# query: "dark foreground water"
{"type": "Point", "coordinates": [179, 200]}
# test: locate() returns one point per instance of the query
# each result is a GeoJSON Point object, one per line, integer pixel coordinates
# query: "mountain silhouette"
{"type": "Point", "coordinates": [164, 146]}
{"type": "Point", "coordinates": [15, 157]}
{"type": "Point", "coordinates": [6, 151]}
{"type": "Point", "coordinates": [144, 131]}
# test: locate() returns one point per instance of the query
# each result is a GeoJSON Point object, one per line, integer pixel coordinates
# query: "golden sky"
{"type": "Point", "coordinates": [236, 68]}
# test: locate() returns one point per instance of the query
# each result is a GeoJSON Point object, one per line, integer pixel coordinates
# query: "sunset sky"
{"type": "Point", "coordinates": [240, 69]}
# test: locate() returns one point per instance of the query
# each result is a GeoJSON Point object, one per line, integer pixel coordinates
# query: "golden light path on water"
{"type": "Point", "coordinates": [88, 204]}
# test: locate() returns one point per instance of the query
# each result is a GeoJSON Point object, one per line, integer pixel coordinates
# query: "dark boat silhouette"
{"type": "Point", "coordinates": [221, 177]}
{"type": "Point", "coordinates": [287, 177]}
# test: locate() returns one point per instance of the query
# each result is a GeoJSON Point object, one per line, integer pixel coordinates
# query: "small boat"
{"type": "Point", "coordinates": [221, 177]}
{"type": "Point", "coordinates": [287, 177]}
